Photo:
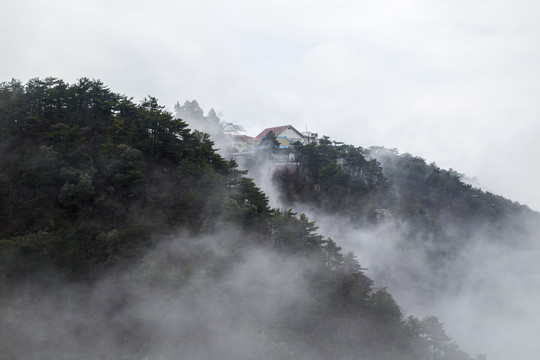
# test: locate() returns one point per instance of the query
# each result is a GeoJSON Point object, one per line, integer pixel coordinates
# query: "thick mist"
{"type": "Point", "coordinates": [486, 292]}
{"type": "Point", "coordinates": [152, 311]}
{"type": "Point", "coordinates": [486, 295]}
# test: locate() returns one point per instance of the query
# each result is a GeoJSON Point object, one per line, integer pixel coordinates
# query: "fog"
{"type": "Point", "coordinates": [486, 296]}
{"type": "Point", "coordinates": [152, 312]}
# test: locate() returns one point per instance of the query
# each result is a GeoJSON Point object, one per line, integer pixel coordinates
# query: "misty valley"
{"type": "Point", "coordinates": [129, 232]}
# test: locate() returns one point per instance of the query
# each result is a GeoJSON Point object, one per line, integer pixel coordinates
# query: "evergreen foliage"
{"type": "Point", "coordinates": [336, 178]}
{"type": "Point", "coordinates": [441, 206]}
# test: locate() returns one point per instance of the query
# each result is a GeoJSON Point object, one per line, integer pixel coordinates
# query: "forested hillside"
{"type": "Point", "coordinates": [336, 178]}
{"type": "Point", "coordinates": [429, 215]}
{"type": "Point", "coordinates": [340, 178]}
{"type": "Point", "coordinates": [123, 234]}
{"type": "Point", "coordinates": [444, 195]}
{"type": "Point", "coordinates": [440, 244]}
{"type": "Point", "coordinates": [374, 185]}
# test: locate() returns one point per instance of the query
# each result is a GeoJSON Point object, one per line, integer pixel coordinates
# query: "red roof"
{"type": "Point", "coordinates": [276, 130]}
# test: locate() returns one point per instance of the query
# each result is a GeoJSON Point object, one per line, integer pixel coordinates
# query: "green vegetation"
{"type": "Point", "coordinates": [426, 202]}
{"type": "Point", "coordinates": [336, 178]}
{"type": "Point", "coordinates": [98, 192]}
{"type": "Point", "coordinates": [430, 194]}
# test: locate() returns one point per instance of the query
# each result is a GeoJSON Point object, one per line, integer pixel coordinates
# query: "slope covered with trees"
{"type": "Point", "coordinates": [432, 194]}
{"type": "Point", "coordinates": [123, 234]}
{"type": "Point", "coordinates": [425, 202]}
{"type": "Point", "coordinates": [336, 178]}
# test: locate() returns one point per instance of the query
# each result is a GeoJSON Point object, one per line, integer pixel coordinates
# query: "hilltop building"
{"type": "Point", "coordinates": [286, 135]}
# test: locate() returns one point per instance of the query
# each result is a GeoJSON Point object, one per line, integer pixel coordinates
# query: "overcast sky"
{"type": "Point", "coordinates": [456, 82]}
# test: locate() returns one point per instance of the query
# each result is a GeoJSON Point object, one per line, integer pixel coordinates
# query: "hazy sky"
{"type": "Point", "coordinates": [456, 82]}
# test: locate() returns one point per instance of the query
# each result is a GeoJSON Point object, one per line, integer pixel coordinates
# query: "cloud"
{"type": "Point", "coordinates": [167, 306]}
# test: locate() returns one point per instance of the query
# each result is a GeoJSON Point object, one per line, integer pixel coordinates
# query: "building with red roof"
{"type": "Point", "coordinates": [286, 135]}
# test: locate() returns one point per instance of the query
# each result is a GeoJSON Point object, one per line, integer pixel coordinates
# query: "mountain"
{"type": "Point", "coordinates": [124, 234]}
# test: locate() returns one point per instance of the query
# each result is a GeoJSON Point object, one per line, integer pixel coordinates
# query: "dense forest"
{"type": "Point", "coordinates": [424, 202]}
{"type": "Point", "coordinates": [124, 235]}
{"type": "Point", "coordinates": [354, 181]}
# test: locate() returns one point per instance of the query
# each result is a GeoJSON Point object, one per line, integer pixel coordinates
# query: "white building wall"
{"type": "Point", "coordinates": [292, 136]}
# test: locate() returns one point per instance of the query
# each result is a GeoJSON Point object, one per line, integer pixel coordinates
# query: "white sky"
{"type": "Point", "coordinates": [456, 82]}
